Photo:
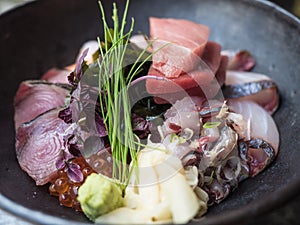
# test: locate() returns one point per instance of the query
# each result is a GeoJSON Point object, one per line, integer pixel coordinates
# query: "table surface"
{"type": "Point", "coordinates": [286, 215]}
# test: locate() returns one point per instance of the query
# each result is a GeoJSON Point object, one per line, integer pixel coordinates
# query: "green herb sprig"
{"type": "Point", "coordinates": [115, 103]}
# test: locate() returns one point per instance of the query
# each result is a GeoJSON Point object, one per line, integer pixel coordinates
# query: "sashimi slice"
{"type": "Point", "coordinates": [263, 146]}
{"type": "Point", "coordinates": [221, 72]}
{"type": "Point", "coordinates": [180, 44]}
{"type": "Point", "coordinates": [38, 145]}
{"type": "Point", "coordinates": [186, 81]}
{"type": "Point", "coordinates": [251, 86]}
{"type": "Point", "coordinates": [212, 56]}
{"type": "Point", "coordinates": [239, 60]}
{"type": "Point", "coordinates": [201, 76]}
{"type": "Point", "coordinates": [55, 75]}
{"type": "Point", "coordinates": [35, 97]}
{"type": "Point", "coordinates": [170, 98]}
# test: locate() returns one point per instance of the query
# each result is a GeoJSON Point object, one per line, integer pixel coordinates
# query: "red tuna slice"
{"type": "Point", "coordinates": [35, 97]}
{"type": "Point", "coordinates": [212, 56]}
{"type": "Point", "coordinates": [171, 90]}
{"type": "Point", "coordinates": [221, 73]}
{"type": "Point", "coordinates": [239, 60]}
{"type": "Point", "coordinates": [186, 81]}
{"type": "Point", "coordinates": [180, 43]}
{"type": "Point", "coordinates": [210, 90]}
{"type": "Point", "coordinates": [170, 98]}
{"type": "Point", "coordinates": [38, 145]}
{"type": "Point", "coordinates": [56, 76]}
{"type": "Point", "coordinates": [201, 76]}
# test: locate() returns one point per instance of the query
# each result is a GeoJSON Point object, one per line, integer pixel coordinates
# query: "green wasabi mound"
{"type": "Point", "coordinates": [98, 195]}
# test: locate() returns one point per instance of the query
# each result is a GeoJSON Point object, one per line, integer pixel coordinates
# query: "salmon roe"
{"type": "Point", "coordinates": [67, 190]}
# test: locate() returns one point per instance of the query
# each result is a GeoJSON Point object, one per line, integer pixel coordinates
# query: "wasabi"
{"type": "Point", "coordinates": [99, 195]}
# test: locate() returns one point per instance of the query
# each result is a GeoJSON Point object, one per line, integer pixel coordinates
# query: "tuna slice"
{"type": "Point", "coordinates": [172, 85]}
{"type": "Point", "coordinates": [239, 60]}
{"type": "Point", "coordinates": [263, 145]}
{"type": "Point", "coordinates": [181, 43]}
{"type": "Point", "coordinates": [221, 73]}
{"type": "Point", "coordinates": [206, 92]}
{"type": "Point", "coordinates": [199, 82]}
{"type": "Point", "coordinates": [35, 97]}
{"type": "Point", "coordinates": [38, 145]}
{"type": "Point", "coordinates": [56, 76]}
{"type": "Point", "coordinates": [252, 86]}
{"type": "Point", "coordinates": [201, 76]}
{"type": "Point", "coordinates": [212, 56]}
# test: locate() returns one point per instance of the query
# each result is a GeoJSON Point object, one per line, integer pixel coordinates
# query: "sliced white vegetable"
{"type": "Point", "coordinates": [180, 197]}
{"type": "Point", "coordinates": [162, 195]}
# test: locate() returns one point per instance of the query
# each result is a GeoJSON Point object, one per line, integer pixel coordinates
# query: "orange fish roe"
{"type": "Point", "coordinates": [66, 189]}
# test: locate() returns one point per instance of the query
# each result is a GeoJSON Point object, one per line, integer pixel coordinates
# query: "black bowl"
{"type": "Point", "coordinates": [44, 34]}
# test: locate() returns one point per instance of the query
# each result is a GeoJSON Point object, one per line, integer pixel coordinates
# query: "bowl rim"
{"type": "Point", "coordinates": [241, 214]}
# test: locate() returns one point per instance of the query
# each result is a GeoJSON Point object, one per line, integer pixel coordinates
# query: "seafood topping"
{"type": "Point", "coordinates": [55, 75]}
{"type": "Point", "coordinates": [260, 124]}
{"type": "Point", "coordinates": [239, 60]}
{"type": "Point", "coordinates": [38, 145]}
{"type": "Point", "coordinates": [35, 97]}
{"type": "Point", "coordinates": [257, 153]}
{"type": "Point", "coordinates": [188, 41]}
{"type": "Point", "coordinates": [252, 86]}
{"type": "Point", "coordinates": [185, 66]}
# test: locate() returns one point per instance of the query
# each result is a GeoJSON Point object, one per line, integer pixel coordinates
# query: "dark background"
{"type": "Point", "coordinates": [290, 5]}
